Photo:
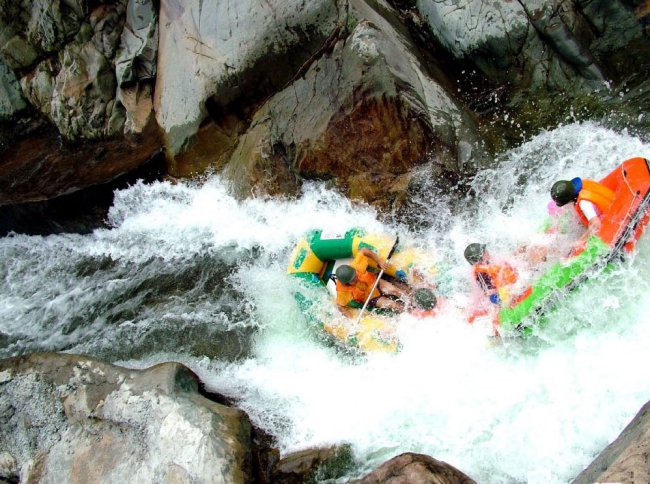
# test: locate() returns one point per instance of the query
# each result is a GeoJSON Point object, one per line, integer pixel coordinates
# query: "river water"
{"type": "Point", "coordinates": [188, 273]}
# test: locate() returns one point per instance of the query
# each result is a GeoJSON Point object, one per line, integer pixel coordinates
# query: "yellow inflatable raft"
{"type": "Point", "coordinates": [316, 257]}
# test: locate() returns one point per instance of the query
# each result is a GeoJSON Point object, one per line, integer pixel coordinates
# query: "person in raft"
{"type": "Point", "coordinates": [493, 278]}
{"type": "Point", "coordinates": [591, 199]}
{"type": "Point", "coordinates": [354, 283]}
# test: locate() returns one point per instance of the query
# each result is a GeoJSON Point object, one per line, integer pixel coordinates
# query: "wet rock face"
{"type": "Point", "coordinates": [39, 166]}
{"type": "Point", "coordinates": [313, 465]}
{"type": "Point", "coordinates": [68, 418]}
{"type": "Point", "coordinates": [356, 91]}
{"type": "Point", "coordinates": [562, 46]}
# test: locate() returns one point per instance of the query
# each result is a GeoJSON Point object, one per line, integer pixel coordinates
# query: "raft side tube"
{"type": "Point", "coordinates": [631, 185]}
{"type": "Point", "coordinates": [553, 284]}
{"type": "Point", "coordinates": [315, 253]}
{"type": "Point", "coordinates": [620, 228]}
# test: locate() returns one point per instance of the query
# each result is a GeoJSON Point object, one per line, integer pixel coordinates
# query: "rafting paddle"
{"type": "Point", "coordinates": [374, 286]}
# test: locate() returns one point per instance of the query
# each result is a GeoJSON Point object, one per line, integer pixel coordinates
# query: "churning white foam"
{"type": "Point", "coordinates": [533, 411]}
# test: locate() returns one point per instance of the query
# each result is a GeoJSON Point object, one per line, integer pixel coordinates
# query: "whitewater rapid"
{"type": "Point", "coordinates": [188, 273]}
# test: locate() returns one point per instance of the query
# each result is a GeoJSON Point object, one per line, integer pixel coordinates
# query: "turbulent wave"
{"type": "Point", "coordinates": [189, 273]}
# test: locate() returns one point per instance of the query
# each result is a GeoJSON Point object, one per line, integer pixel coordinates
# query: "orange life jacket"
{"type": "Point", "coordinates": [360, 290]}
{"type": "Point", "coordinates": [500, 275]}
{"type": "Point", "coordinates": [596, 193]}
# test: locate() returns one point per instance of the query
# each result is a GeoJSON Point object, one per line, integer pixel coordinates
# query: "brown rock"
{"type": "Point", "coordinates": [39, 166]}
{"type": "Point", "coordinates": [138, 104]}
{"type": "Point", "coordinates": [413, 468]}
{"type": "Point", "coordinates": [213, 146]}
{"type": "Point", "coordinates": [627, 459]}
{"type": "Point", "coordinates": [371, 150]}
{"type": "Point", "coordinates": [364, 113]}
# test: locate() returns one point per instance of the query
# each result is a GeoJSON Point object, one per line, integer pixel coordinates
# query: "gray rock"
{"type": "Point", "coordinates": [76, 90]}
{"type": "Point", "coordinates": [8, 467]}
{"type": "Point", "coordinates": [557, 24]}
{"type": "Point", "coordinates": [625, 459]}
{"type": "Point", "coordinates": [31, 29]}
{"type": "Point", "coordinates": [467, 26]}
{"type": "Point", "coordinates": [77, 419]}
{"type": "Point", "coordinates": [551, 44]}
{"type": "Point", "coordinates": [501, 40]}
{"type": "Point", "coordinates": [80, 104]}
{"type": "Point", "coordinates": [11, 98]}
{"type": "Point", "coordinates": [228, 50]}
{"type": "Point", "coordinates": [136, 60]}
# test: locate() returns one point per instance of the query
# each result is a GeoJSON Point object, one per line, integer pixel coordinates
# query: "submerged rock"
{"type": "Point", "coordinates": [67, 418]}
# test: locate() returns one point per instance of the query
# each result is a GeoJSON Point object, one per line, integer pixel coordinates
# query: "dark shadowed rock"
{"type": "Point", "coordinates": [11, 97]}
{"type": "Point", "coordinates": [73, 419]}
{"type": "Point", "coordinates": [413, 468]}
{"type": "Point", "coordinates": [38, 165]}
{"type": "Point", "coordinates": [33, 30]}
{"type": "Point", "coordinates": [627, 459]}
{"type": "Point", "coordinates": [81, 211]}
{"type": "Point", "coordinates": [556, 45]}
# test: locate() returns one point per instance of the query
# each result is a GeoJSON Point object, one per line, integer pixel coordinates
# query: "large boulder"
{"type": "Point", "coordinates": [551, 44]}
{"type": "Point", "coordinates": [216, 53]}
{"type": "Point", "coordinates": [527, 65]}
{"type": "Point", "coordinates": [66, 418]}
{"type": "Point", "coordinates": [412, 468]}
{"type": "Point", "coordinates": [71, 76]}
{"type": "Point", "coordinates": [625, 459]}
{"type": "Point", "coordinates": [365, 112]}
